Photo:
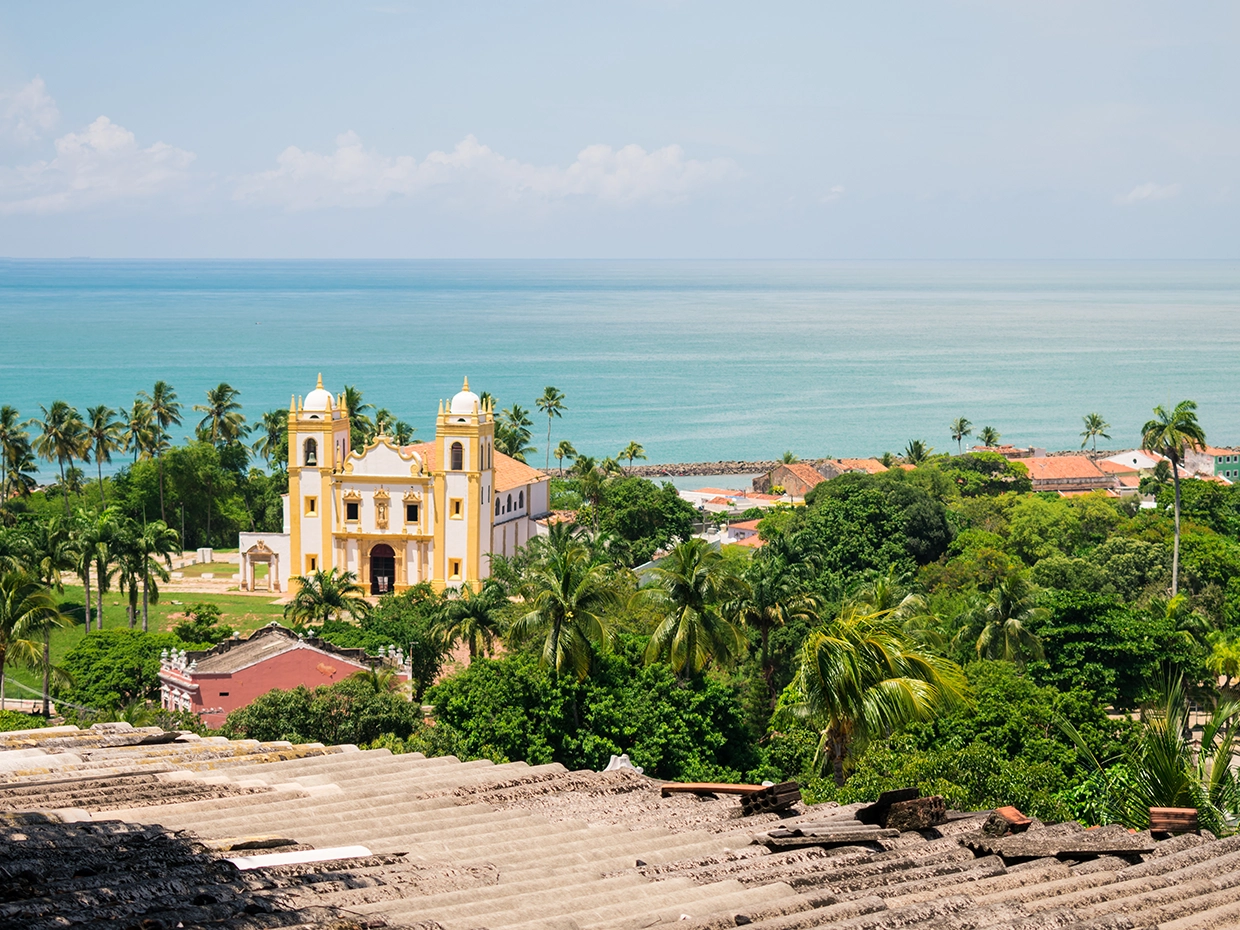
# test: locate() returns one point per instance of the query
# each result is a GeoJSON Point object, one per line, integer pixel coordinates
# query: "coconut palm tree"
{"type": "Point", "coordinates": [774, 594]}
{"type": "Point", "coordinates": [165, 414]}
{"type": "Point", "coordinates": [960, 429]}
{"type": "Point", "coordinates": [789, 458]}
{"type": "Point", "coordinates": [360, 426]}
{"type": "Point", "coordinates": [552, 404]}
{"type": "Point", "coordinates": [592, 482]}
{"type": "Point", "coordinates": [401, 432]}
{"type": "Point", "coordinates": [155, 545]}
{"type": "Point", "coordinates": [632, 451]}
{"type": "Point", "coordinates": [22, 467]}
{"type": "Point", "coordinates": [473, 617]}
{"type": "Point", "coordinates": [12, 438]}
{"type": "Point", "coordinates": [382, 678]}
{"type": "Point", "coordinates": [62, 439]}
{"type": "Point", "coordinates": [1006, 614]}
{"type": "Point", "coordinates": [989, 436]}
{"type": "Point", "coordinates": [690, 588]}
{"type": "Point", "coordinates": [139, 428]}
{"type": "Point", "coordinates": [564, 451]}
{"type": "Point", "coordinates": [859, 677]}
{"type": "Point", "coordinates": [53, 551]}
{"type": "Point", "coordinates": [103, 434]}
{"type": "Point", "coordinates": [325, 595]}
{"type": "Point", "coordinates": [272, 442]}
{"type": "Point", "coordinates": [1171, 434]}
{"type": "Point", "coordinates": [222, 421]}
{"type": "Point", "coordinates": [1095, 426]}
{"type": "Point", "coordinates": [28, 613]}
{"type": "Point", "coordinates": [569, 595]}
{"type": "Point", "coordinates": [512, 433]}
{"type": "Point", "coordinates": [917, 452]}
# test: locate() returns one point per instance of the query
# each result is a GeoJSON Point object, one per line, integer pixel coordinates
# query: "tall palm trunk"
{"type": "Point", "coordinates": [100, 573]}
{"type": "Point", "coordinates": [47, 672]}
{"type": "Point", "coordinates": [3, 656]}
{"type": "Point", "coordinates": [1175, 552]}
{"type": "Point", "coordinates": [99, 470]}
{"type": "Point", "coordinates": [144, 603]}
{"type": "Point", "coordinates": [64, 490]}
{"type": "Point", "coordinates": [162, 515]}
{"type": "Point", "coordinates": [86, 587]}
{"type": "Point", "coordinates": [133, 603]}
{"type": "Point", "coordinates": [210, 499]}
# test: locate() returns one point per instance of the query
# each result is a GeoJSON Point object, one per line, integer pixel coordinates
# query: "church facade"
{"type": "Point", "coordinates": [393, 515]}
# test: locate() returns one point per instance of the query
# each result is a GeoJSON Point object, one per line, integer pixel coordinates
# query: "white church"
{"type": "Point", "coordinates": [397, 516]}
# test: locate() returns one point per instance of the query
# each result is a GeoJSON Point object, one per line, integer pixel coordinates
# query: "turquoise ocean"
{"type": "Point", "coordinates": [695, 360]}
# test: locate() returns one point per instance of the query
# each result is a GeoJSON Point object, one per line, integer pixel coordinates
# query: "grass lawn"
{"type": "Point", "coordinates": [218, 570]}
{"type": "Point", "coordinates": [240, 611]}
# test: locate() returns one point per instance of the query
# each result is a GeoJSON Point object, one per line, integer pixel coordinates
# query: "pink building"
{"type": "Point", "coordinates": [215, 681]}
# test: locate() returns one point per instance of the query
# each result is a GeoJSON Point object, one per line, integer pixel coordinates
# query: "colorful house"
{"type": "Point", "coordinates": [215, 681]}
{"type": "Point", "coordinates": [1068, 474]}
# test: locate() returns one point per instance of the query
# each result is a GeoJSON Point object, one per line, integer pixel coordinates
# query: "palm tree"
{"type": "Point", "coordinates": [632, 451]}
{"type": "Point", "coordinates": [324, 595]}
{"type": "Point", "coordinates": [103, 434]}
{"type": "Point", "coordinates": [272, 442]}
{"type": "Point", "coordinates": [859, 677]}
{"type": "Point", "coordinates": [402, 432]}
{"type": "Point", "coordinates": [360, 427]}
{"type": "Point", "coordinates": [473, 617]}
{"type": "Point", "coordinates": [773, 595]}
{"type": "Point", "coordinates": [592, 481]}
{"type": "Point", "coordinates": [569, 596]}
{"type": "Point", "coordinates": [552, 404]}
{"type": "Point", "coordinates": [139, 428]}
{"type": "Point", "coordinates": [512, 433]}
{"type": "Point", "coordinates": [12, 437]}
{"type": "Point", "coordinates": [53, 551]}
{"type": "Point", "coordinates": [917, 452]}
{"type": "Point", "coordinates": [383, 678]}
{"type": "Point", "coordinates": [28, 612]}
{"type": "Point", "coordinates": [789, 458]}
{"type": "Point", "coordinates": [165, 413]}
{"type": "Point", "coordinates": [989, 436]}
{"type": "Point", "coordinates": [1006, 614]}
{"type": "Point", "coordinates": [564, 451]}
{"type": "Point", "coordinates": [691, 586]}
{"type": "Point", "coordinates": [62, 438]}
{"type": "Point", "coordinates": [960, 429]}
{"type": "Point", "coordinates": [1171, 434]}
{"type": "Point", "coordinates": [1166, 767]}
{"type": "Point", "coordinates": [1095, 426]}
{"type": "Point", "coordinates": [222, 421]}
{"type": "Point", "coordinates": [22, 467]}
{"type": "Point", "coordinates": [155, 546]}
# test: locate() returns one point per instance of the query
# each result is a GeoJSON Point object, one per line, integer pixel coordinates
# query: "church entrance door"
{"type": "Point", "coordinates": [382, 569]}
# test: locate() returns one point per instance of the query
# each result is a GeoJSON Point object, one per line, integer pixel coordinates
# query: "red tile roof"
{"type": "Point", "coordinates": [1060, 467]}
{"type": "Point", "coordinates": [746, 525]}
{"type": "Point", "coordinates": [869, 466]}
{"type": "Point", "coordinates": [807, 474]}
{"type": "Point", "coordinates": [751, 542]}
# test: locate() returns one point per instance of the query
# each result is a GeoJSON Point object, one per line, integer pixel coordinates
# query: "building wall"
{"type": "Point", "coordinates": [301, 665]}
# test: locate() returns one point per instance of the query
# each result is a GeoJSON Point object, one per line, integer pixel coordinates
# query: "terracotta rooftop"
{"type": "Point", "coordinates": [751, 542]}
{"type": "Point", "coordinates": [1218, 450]}
{"type": "Point", "coordinates": [336, 837]}
{"type": "Point", "coordinates": [1116, 468]}
{"type": "Point", "coordinates": [747, 525]}
{"type": "Point", "coordinates": [1058, 467]}
{"type": "Point", "coordinates": [232, 655]}
{"type": "Point", "coordinates": [869, 466]}
{"type": "Point", "coordinates": [806, 472]}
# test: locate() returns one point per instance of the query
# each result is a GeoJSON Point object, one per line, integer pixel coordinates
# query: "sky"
{"type": "Point", "coordinates": [648, 129]}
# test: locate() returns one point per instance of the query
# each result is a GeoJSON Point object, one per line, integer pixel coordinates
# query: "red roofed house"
{"type": "Point", "coordinates": [832, 468]}
{"type": "Point", "coordinates": [1067, 474]}
{"type": "Point", "coordinates": [215, 681]}
{"type": "Point", "coordinates": [1222, 463]}
{"type": "Point", "coordinates": [797, 479]}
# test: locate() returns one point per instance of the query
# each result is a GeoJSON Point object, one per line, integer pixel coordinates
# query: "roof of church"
{"type": "Point", "coordinates": [509, 473]}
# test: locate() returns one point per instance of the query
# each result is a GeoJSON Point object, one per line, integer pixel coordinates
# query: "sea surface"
{"type": "Point", "coordinates": [696, 361]}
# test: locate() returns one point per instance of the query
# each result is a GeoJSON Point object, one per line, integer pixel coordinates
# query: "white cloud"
{"type": "Point", "coordinates": [834, 194]}
{"type": "Point", "coordinates": [1148, 191]}
{"type": "Point", "coordinates": [353, 176]}
{"type": "Point", "coordinates": [101, 163]}
{"type": "Point", "coordinates": [28, 112]}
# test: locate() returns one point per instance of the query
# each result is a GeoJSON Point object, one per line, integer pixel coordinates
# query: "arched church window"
{"type": "Point", "coordinates": [312, 452]}
{"type": "Point", "coordinates": [458, 456]}
{"type": "Point", "coordinates": [521, 501]}
{"type": "Point", "coordinates": [497, 506]}
{"type": "Point", "coordinates": [508, 508]}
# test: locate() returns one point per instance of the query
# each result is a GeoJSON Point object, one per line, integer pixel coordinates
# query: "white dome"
{"type": "Point", "coordinates": [464, 402]}
{"type": "Point", "coordinates": [318, 399]}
